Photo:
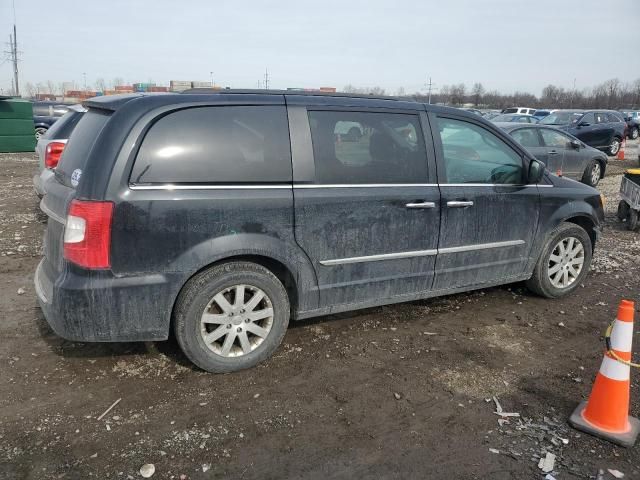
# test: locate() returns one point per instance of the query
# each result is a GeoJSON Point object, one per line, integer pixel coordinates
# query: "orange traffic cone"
{"type": "Point", "coordinates": [606, 413]}
{"type": "Point", "coordinates": [621, 150]}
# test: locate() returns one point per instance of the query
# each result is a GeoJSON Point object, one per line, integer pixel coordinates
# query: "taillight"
{"type": "Point", "coordinates": [87, 234]}
{"type": "Point", "coordinates": [52, 154]}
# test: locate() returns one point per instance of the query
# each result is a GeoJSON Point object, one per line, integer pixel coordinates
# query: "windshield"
{"type": "Point", "coordinates": [561, 118]}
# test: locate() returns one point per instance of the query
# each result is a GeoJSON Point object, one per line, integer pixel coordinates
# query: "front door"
{"type": "Point", "coordinates": [569, 157]}
{"type": "Point", "coordinates": [489, 217]}
{"type": "Point", "coordinates": [367, 210]}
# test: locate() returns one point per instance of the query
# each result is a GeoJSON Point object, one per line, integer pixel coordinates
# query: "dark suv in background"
{"type": "Point", "coordinates": [46, 114]}
{"type": "Point", "coordinates": [223, 215]}
{"type": "Point", "coordinates": [602, 129]}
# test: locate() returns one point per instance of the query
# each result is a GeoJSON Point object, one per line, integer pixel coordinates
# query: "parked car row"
{"type": "Point", "coordinates": [220, 216]}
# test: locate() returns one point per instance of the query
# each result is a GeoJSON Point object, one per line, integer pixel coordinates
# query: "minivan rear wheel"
{"type": "Point", "coordinates": [634, 133]}
{"type": "Point", "coordinates": [231, 316]}
{"type": "Point", "coordinates": [564, 262]}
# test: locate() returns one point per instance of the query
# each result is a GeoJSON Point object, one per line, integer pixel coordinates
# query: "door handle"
{"type": "Point", "coordinates": [553, 152]}
{"type": "Point", "coordinates": [460, 204]}
{"type": "Point", "coordinates": [421, 205]}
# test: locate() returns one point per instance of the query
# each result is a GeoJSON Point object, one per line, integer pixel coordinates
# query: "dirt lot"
{"type": "Point", "coordinates": [392, 392]}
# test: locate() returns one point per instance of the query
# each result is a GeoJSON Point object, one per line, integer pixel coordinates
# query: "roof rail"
{"type": "Point", "coordinates": [314, 93]}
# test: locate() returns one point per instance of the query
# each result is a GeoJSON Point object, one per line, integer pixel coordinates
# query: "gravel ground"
{"type": "Point", "coordinates": [404, 391]}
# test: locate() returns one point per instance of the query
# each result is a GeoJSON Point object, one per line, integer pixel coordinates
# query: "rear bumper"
{"type": "Point", "coordinates": [39, 180]}
{"type": "Point", "coordinates": [99, 307]}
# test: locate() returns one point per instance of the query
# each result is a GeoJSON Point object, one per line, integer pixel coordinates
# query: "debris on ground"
{"type": "Point", "coordinates": [147, 470]}
{"type": "Point", "coordinates": [615, 473]}
{"type": "Point", "coordinates": [547, 463]}
{"type": "Point", "coordinates": [109, 409]}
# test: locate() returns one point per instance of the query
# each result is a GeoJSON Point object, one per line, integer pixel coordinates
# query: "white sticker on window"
{"type": "Point", "coordinates": [75, 177]}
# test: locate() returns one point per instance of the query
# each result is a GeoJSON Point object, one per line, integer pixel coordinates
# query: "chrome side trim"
{"type": "Point", "coordinates": [481, 246]}
{"type": "Point", "coordinates": [374, 258]}
{"type": "Point", "coordinates": [48, 212]}
{"type": "Point", "coordinates": [364, 185]}
{"type": "Point", "coordinates": [170, 187]}
{"type": "Point", "coordinates": [421, 253]}
{"type": "Point", "coordinates": [312, 186]}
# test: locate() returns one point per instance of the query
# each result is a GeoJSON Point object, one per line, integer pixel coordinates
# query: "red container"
{"type": "Point", "coordinates": [127, 88]}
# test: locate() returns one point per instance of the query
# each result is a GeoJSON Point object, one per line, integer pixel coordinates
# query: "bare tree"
{"type": "Point", "coordinates": [458, 94]}
{"type": "Point", "coordinates": [477, 91]}
{"type": "Point", "coordinates": [118, 81]}
{"type": "Point", "coordinates": [101, 85]}
{"type": "Point", "coordinates": [31, 89]}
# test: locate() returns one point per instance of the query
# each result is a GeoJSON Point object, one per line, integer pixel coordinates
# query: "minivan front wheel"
{"type": "Point", "coordinates": [231, 316]}
{"type": "Point", "coordinates": [564, 262]}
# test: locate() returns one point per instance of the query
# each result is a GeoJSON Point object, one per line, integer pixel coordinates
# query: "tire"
{"type": "Point", "coordinates": [632, 220]}
{"type": "Point", "coordinates": [199, 297]}
{"type": "Point", "coordinates": [634, 134]}
{"type": "Point", "coordinates": [614, 148]}
{"type": "Point", "coordinates": [541, 280]}
{"type": "Point", "coordinates": [40, 131]}
{"type": "Point", "coordinates": [623, 210]}
{"type": "Point", "coordinates": [592, 174]}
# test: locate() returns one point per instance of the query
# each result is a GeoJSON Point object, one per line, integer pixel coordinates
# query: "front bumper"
{"type": "Point", "coordinates": [100, 307]}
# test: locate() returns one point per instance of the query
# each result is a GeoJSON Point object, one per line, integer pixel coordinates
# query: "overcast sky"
{"type": "Point", "coordinates": [505, 44]}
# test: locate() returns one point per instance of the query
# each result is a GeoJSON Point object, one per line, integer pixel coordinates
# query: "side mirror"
{"type": "Point", "coordinates": [536, 171]}
{"type": "Point", "coordinates": [584, 124]}
{"type": "Point", "coordinates": [576, 144]}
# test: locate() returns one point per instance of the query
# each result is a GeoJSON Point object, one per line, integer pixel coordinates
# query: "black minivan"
{"type": "Point", "coordinates": [221, 215]}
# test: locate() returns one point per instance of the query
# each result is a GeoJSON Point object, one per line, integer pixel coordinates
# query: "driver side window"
{"type": "Point", "coordinates": [473, 154]}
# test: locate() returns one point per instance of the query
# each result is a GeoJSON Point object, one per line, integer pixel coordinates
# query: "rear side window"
{"type": "Point", "coordinates": [510, 110]}
{"type": "Point", "coordinates": [613, 117]}
{"type": "Point", "coordinates": [81, 141]}
{"type": "Point", "coordinates": [237, 144]}
{"type": "Point", "coordinates": [363, 147]}
{"type": "Point", "coordinates": [601, 117]}
{"type": "Point", "coordinates": [62, 128]}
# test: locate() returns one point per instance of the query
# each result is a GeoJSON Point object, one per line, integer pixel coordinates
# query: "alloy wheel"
{"type": "Point", "coordinates": [615, 146]}
{"type": "Point", "coordinates": [595, 173]}
{"type": "Point", "coordinates": [566, 262]}
{"type": "Point", "coordinates": [236, 320]}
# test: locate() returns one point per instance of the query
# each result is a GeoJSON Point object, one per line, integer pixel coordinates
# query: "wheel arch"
{"type": "Point", "coordinates": [587, 224]}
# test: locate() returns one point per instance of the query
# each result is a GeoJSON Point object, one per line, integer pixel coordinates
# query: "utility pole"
{"type": "Point", "coordinates": [430, 87]}
{"type": "Point", "coordinates": [211, 73]}
{"type": "Point", "coordinates": [266, 79]}
{"type": "Point", "coordinates": [84, 75]}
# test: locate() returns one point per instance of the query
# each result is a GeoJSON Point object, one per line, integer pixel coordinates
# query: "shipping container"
{"type": "Point", "coordinates": [128, 88]}
{"type": "Point", "coordinates": [201, 84]}
{"type": "Point", "coordinates": [158, 89]}
{"type": "Point", "coordinates": [328, 89]}
{"type": "Point", "coordinates": [17, 133]}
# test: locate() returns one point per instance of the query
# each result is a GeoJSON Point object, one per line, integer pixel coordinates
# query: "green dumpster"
{"type": "Point", "coordinates": [16, 125]}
